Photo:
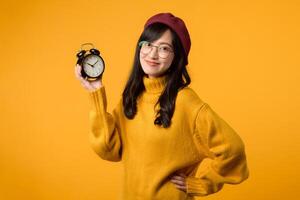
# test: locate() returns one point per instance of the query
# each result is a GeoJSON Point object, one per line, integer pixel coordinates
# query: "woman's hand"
{"type": "Point", "coordinates": [179, 181]}
{"type": "Point", "coordinates": [89, 85]}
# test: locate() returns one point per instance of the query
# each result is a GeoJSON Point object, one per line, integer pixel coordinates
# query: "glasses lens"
{"type": "Point", "coordinates": [164, 51]}
{"type": "Point", "coordinates": [145, 47]}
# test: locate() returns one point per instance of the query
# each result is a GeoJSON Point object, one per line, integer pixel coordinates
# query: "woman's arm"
{"type": "Point", "coordinates": [104, 127]}
{"type": "Point", "coordinates": [225, 151]}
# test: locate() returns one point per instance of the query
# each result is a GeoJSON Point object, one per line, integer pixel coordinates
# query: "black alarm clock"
{"type": "Point", "coordinates": [91, 62]}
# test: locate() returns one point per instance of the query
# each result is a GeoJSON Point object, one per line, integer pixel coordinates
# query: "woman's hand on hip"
{"type": "Point", "coordinates": [179, 181]}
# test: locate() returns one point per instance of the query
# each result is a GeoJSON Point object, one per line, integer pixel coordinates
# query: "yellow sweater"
{"type": "Point", "coordinates": [199, 143]}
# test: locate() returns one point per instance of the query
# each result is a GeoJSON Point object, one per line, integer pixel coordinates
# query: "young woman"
{"type": "Point", "coordinates": [173, 144]}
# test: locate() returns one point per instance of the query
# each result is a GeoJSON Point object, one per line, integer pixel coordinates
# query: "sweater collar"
{"type": "Point", "coordinates": [154, 85]}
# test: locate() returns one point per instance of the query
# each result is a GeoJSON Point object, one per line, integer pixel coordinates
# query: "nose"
{"type": "Point", "coordinates": [153, 53]}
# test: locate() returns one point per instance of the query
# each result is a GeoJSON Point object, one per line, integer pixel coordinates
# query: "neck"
{"type": "Point", "coordinates": [154, 85]}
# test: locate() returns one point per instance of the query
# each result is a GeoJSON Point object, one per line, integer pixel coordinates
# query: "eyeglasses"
{"type": "Point", "coordinates": [164, 50]}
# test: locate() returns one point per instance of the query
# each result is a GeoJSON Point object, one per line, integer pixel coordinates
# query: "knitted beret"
{"type": "Point", "coordinates": [176, 24]}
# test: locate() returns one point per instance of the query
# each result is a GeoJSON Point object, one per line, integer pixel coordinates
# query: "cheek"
{"type": "Point", "coordinates": [141, 57]}
{"type": "Point", "coordinates": [168, 63]}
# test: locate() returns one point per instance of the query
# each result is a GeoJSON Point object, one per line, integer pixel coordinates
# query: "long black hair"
{"type": "Point", "coordinates": [177, 77]}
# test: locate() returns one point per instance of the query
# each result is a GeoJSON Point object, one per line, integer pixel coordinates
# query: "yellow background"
{"type": "Point", "coordinates": [243, 62]}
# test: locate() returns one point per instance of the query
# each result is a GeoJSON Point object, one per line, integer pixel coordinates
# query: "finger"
{"type": "Point", "coordinates": [84, 81]}
{"type": "Point", "coordinates": [75, 71]}
{"type": "Point", "coordinates": [79, 68]}
{"type": "Point", "coordinates": [177, 182]}
{"type": "Point", "coordinates": [96, 84]}
{"type": "Point", "coordinates": [183, 188]}
{"type": "Point", "coordinates": [86, 84]}
{"type": "Point", "coordinates": [177, 177]}
{"type": "Point", "coordinates": [78, 72]}
{"type": "Point", "coordinates": [90, 85]}
{"type": "Point", "coordinates": [182, 175]}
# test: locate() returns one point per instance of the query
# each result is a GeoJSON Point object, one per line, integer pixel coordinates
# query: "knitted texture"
{"type": "Point", "coordinates": [199, 143]}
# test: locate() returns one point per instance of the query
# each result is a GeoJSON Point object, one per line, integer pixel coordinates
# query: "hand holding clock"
{"type": "Point", "coordinates": [88, 85]}
{"type": "Point", "coordinates": [90, 75]}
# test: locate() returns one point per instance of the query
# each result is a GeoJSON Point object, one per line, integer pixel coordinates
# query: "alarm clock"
{"type": "Point", "coordinates": [91, 62]}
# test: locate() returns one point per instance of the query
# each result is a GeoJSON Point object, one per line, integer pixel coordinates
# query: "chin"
{"type": "Point", "coordinates": [150, 72]}
{"type": "Point", "coordinates": [154, 74]}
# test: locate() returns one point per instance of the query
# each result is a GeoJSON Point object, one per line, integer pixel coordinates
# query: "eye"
{"type": "Point", "coordinates": [144, 44]}
{"type": "Point", "coordinates": [147, 44]}
{"type": "Point", "coordinates": [165, 48]}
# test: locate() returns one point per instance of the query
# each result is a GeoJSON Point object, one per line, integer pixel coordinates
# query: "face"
{"type": "Point", "coordinates": [153, 65]}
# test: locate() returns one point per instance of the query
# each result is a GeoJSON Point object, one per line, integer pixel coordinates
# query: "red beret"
{"type": "Point", "coordinates": [177, 25]}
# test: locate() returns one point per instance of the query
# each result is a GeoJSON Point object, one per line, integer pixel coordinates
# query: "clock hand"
{"type": "Point", "coordinates": [95, 62]}
{"type": "Point", "coordinates": [90, 64]}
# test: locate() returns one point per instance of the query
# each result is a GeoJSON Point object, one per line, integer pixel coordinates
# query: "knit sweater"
{"type": "Point", "coordinates": [199, 143]}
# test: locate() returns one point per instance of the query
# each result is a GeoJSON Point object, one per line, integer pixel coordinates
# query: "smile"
{"type": "Point", "coordinates": [152, 63]}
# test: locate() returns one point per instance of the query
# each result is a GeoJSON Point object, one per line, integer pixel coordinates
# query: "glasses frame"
{"type": "Point", "coordinates": [143, 42]}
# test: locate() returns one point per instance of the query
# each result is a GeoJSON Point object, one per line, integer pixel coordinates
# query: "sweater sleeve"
{"type": "Point", "coordinates": [104, 132]}
{"type": "Point", "coordinates": [225, 158]}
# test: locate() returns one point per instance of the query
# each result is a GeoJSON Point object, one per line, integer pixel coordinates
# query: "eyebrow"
{"type": "Point", "coordinates": [165, 43]}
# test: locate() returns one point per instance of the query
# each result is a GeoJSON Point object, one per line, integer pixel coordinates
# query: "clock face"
{"type": "Point", "coordinates": [93, 65]}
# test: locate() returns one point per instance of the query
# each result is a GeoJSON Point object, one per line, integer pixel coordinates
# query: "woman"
{"type": "Point", "coordinates": [172, 143]}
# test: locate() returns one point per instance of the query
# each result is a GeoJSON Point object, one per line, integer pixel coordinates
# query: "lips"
{"type": "Point", "coordinates": [152, 63]}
